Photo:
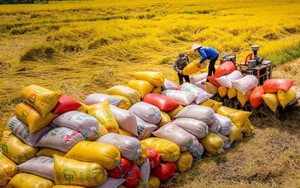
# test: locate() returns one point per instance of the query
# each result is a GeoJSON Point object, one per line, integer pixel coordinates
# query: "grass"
{"type": "Point", "coordinates": [87, 47]}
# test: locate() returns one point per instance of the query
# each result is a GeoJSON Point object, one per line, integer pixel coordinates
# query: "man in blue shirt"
{"type": "Point", "coordinates": [207, 53]}
{"type": "Point", "coordinates": [182, 61]}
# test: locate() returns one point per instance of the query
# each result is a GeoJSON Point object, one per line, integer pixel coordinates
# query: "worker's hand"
{"type": "Point", "coordinates": [180, 71]}
{"type": "Point", "coordinates": [198, 65]}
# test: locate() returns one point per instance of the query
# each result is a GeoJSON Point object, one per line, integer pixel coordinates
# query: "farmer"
{"type": "Point", "coordinates": [182, 61]}
{"type": "Point", "coordinates": [207, 53]}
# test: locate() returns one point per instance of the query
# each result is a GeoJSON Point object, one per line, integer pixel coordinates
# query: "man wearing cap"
{"type": "Point", "coordinates": [207, 53]}
{"type": "Point", "coordinates": [182, 61]}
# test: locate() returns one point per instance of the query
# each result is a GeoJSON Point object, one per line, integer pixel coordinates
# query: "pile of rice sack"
{"type": "Point", "coordinates": [134, 135]}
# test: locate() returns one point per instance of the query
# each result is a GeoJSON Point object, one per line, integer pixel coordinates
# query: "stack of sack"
{"type": "Point", "coordinates": [134, 135]}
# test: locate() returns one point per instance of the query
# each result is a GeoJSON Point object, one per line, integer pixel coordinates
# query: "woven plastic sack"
{"type": "Point", "coordinates": [111, 183]}
{"type": "Point", "coordinates": [211, 88]}
{"type": "Point", "coordinates": [225, 69]}
{"type": "Point", "coordinates": [212, 79]}
{"type": "Point", "coordinates": [74, 172]}
{"type": "Point", "coordinates": [49, 152]}
{"type": "Point", "coordinates": [165, 170]}
{"type": "Point", "coordinates": [226, 80]}
{"type": "Point", "coordinates": [225, 124]}
{"type": "Point", "coordinates": [132, 94]}
{"type": "Point", "coordinates": [15, 149]}
{"type": "Point", "coordinates": [285, 98]}
{"type": "Point", "coordinates": [256, 97]}
{"type": "Point", "coordinates": [104, 154]}
{"type": "Point", "coordinates": [174, 112]}
{"type": "Point", "coordinates": [182, 97]}
{"type": "Point", "coordinates": [154, 182]}
{"type": "Point", "coordinates": [232, 92]}
{"type": "Point", "coordinates": [165, 118]}
{"type": "Point", "coordinates": [163, 102]}
{"type": "Point", "coordinates": [168, 150]}
{"type": "Point", "coordinates": [236, 133]}
{"type": "Point", "coordinates": [157, 90]}
{"type": "Point", "coordinates": [243, 99]}
{"type": "Point", "coordinates": [145, 170]}
{"type": "Point", "coordinates": [197, 149]}
{"type": "Point", "coordinates": [192, 68]}
{"type": "Point", "coordinates": [124, 103]}
{"type": "Point", "coordinates": [23, 180]}
{"type": "Point", "coordinates": [212, 143]}
{"type": "Point", "coordinates": [273, 85]}
{"type": "Point", "coordinates": [214, 126]}
{"type": "Point", "coordinates": [65, 104]}
{"type": "Point", "coordinates": [121, 170]}
{"type": "Point", "coordinates": [143, 156]}
{"type": "Point", "coordinates": [101, 111]}
{"type": "Point", "coordinates": [175, 134]}
{"type": "Point", "coordinates": [61, 138]}
{"type": "Point", "coordinates": [184, 162]}
{"type": "Point", "coordinates": [155, 78]}
{"type": "Point", "coordinates": [7, 170]}
{"type": "Point", "coordinates": [226, 140]}
{"type": "Point", "coordinates": [42, 99]}
{"type": "Point", "coordinates": [125, 133]}
{"type": "Point", "coordinates": [21, 130]}
{"type": "Point", "coordinates": [134, 176]}
{"type": "Point", "coordinates": [83, 108]}
{"type": "Point", "coordinates": [32, 118]}
{"type": "Point", "coordinates": [209, 103]}
{"type": "Point", "coordinates": [142, 86]}
{"type": "Point", "coordinates": [238, 117]}
{"type": "Point", "coordinates": [129, 147]}
{"type": "Point", "coordinates": [201, 113]}
{"type": "Point", "coordinates": [193, 126]}
{"type": "Point", "coordinates": [144, 129]}
{"type": "Point", "coordinates": [125, 119]}
{"type": "Point", "coordinates": [250, 131]}
{"type": "Point", "coordinates": [201, 94]}
{"type": "Point", "coordinates": [147, 112]}
{"type": "Point", "coordinates": [153, 156]}
{"type": "Point", "coordinates": [68, 186]}
{"type": "Point", "coordinates": [196, 78]}
{"type": "Point", "coordinates": [222, 90]}
{"type": "Point", "coordinates": [168, 84]}
{"type": "Point", "coordinates": [40, 166]}
{"type": "Point", "coordinates": [271, 100]}
{"type": "Point", "coordinates": [99, 97]}
{"type": "Point", "coordinates": [245, 84]}
{"type": "Point", "coordinates": [201, 84]}
{"type": "Point", "coordinates": [85, 124]}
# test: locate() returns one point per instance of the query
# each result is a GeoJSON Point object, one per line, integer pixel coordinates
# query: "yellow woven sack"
{"type": "Point", "coordinates": [32, 118]}
{"type": "Point", "coordinates": [42, 99]}
{"type": "Point", "coordinates": [15, 149]}
{"type": "Point", "coordinates": [101, 111]}
{"type": "Point", "coordinates": [212, 143]}
{"type": "Point", "coordinates": [238, 117]}
{"type": "Point", "coordinates": [250, 131]}
{"type": "Point", "coordinates": [216, 106]}
{"type": "Point", "coordinates": [74, 172]}
{"type": "Point", "coordinates": [222, 90]}
{"type": "Point", "coordinates": [102, 130]}
{"type": "Point", "coordinates": [209, 103]}
{"type": "Point", "coordinates": [104, 154]}
{"type": "Point", "coordinates": [67, 186]}
{"type": "Point", "coordinates": [157, 90]}
{"type": "Point", "coordinates": [132, 94]}
{"type": "Point", "coordinates": [124, 103]}
{"type": "Point", "coordinates": [236, 133]}
{"type": "Point", "coordinates": [125, 133]}
{"type": "Point", "coordinates": [83, 108]}
{"type": "Point", "coordinates": [184, 162]}
{"type": "Point", "coordinates": [142, 86]}
{"type": "Point", "coordinates": [169, 151]}
{"type": "Point", "coordinates": [165, 118]}
{"type": "Point", "coordinates": [247, 124]}
{"type": "Point", "coordinates": [232, 92]}
{"type": "Point", "coordinates": [24, 180]}
{"type": "Point", "coordinates": [285, 97]}
{"type": "Point", "coordinates": [211, 88]}
{"type": "Point", "coordinates": [153, 182]}
{"type": "Point", "coordinates": [243, 98]}
{"type": "Point", "coordinates": [192, 68]}
{"type": "Point", "coordinates": [155, 78]}
{"type": "Point", "coordinates": [7, 170]}
{"type": "Point", "coordinates": [271, 100]}
{"type": "Point", "coordinates": [143, 157]}
{"type": "Point", "coordinates": [49, 152]}
{"type": "Point", "coordinates": [174, 112]}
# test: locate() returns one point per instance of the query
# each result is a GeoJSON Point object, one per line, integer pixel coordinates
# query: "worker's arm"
{"type": "Point", "coordinates": [175, 66]}
{"type": "Point", "coordinates": [204, 56]}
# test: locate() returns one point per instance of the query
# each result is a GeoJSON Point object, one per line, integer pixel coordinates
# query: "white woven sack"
{"type": "Point", "coordinates": [111, 183]}
{"type": "Point", "coordinates": [168, 84]}
{"type": "Point", "coordinates": [201, 84]}
{"type": "Point", "coordinates": [197, 149]}
{"type": "Point", "coordinates": [182, 97]}
{"type": "Point", "coordinates": [21, 130]}
{"type": "Point", "coordinates": [129, 147]}
{"type": "Point", "coordinates": [86, 124]}
{"type": "Point", "coordinates": [99, 97]}
{"type": "Point", "coordinates": [215, 126]}
{"type": "Point", "coordinates": [225, 124]}
{"type": "Point", "coordinates": [227, 79]}
{"type": "Point", "coordinates": [201, 94]}
{"type": "Point", "coordinates": [199, 77]}
{"type": "Point", "coordinates": [226, 140]}
{"type": "Point", "coordinates": [144, 129]}
{"type": "Point", "coordinates": [245, 84]}
{"type": "Point", "coordinates": [193, 126]}
{"type": "Point", "coordinates": [61, 138]}
{"type": "Point", "coordinates": [145, 170]}
{"type": "Point", "coordinates": [172, 132]}
{"type": "Point", "coordinates": [42, 166]}
{"type": "Point", "coordinates": [147, 112]}
{"type": "Point", "coordinates": [201, 113]}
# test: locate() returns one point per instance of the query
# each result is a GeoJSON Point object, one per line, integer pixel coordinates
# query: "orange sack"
{"type": "Point", "coordinates": [226, 68]}
{"type": "Point", "coordinates": [255, 97]}
{"type": "Point", "coordinates": [273, 85]}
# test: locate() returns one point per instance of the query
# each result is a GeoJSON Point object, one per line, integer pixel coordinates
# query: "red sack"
{"type": "Point", "coordinates": [273, 85]}
{"type": "Point", "coordinates": [212, 79]}
{"type": "Point", "coordinates": [133, 177]}
{"type": "Point", "coordinates": [164, 171]}
{"type": "Point", "coordinates": [163, 102]}
{"type": "Point", "coordinates": [121, 170]}
{"type": "Point", "coordinates": [154, 157]}
{"type": "Point", "coordinates": [255, 97]}
{"type": "Point", "coordinates": [65, 104]}
{"type": "Point", "coordinates": [224, 69]}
